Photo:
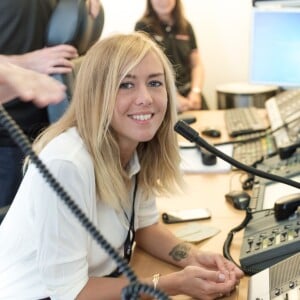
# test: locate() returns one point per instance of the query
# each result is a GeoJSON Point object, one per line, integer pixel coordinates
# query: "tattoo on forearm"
{"type": "Point", "coordinates": [180, 251]}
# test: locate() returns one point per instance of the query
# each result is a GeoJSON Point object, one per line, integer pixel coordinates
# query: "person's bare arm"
{"type": "Point", "coordinates": [94, 7]}
{"type": "Point", "coordinates": [203, 274]}
{"type": "Point", "coordinates": [28, 85]}
{"type": "Point", "coordinates": [204, 277]}
{"type": "Point", "coordinates": [197, 75]}
{"type": "Point", "coordinates": [147, 238]}
{"type": "Point", "coordinates": [49, 60]}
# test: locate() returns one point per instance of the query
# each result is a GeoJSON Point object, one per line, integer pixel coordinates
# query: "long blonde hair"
{"type": "Point", "coordinates": [91, 110]}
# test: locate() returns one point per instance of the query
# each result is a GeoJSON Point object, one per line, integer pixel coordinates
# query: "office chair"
{"type": "Point", "coordinates": [70, 23]}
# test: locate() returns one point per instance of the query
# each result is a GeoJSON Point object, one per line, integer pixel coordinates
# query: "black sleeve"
{"type": "Point", "coordinates": [23, 25]}
{"type": "Point", "coordinates": [142, 26]}
{"type": "Point", "coordinates": [193, 41]}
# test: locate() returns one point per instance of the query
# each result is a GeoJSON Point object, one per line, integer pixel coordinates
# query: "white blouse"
{"type": "Point", "coordinates": [45, 251]}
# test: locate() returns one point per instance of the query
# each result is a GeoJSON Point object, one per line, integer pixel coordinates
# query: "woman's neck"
{"type": "Point", "coordinates": [167, 19]}
{"type": "Point", "coordinates": [126, 155]}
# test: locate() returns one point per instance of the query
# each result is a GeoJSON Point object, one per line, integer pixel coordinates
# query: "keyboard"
{"type": "Point", "coordinates": [283, 108]}
{"type": "Point", "coordinates": [255, 149]}
{"type": "Point", "coordinates": [243, 120]}
{"type": "Point", "coordinates": [278, 166]}
{"type": "Point", "coordinates": [283, 113]}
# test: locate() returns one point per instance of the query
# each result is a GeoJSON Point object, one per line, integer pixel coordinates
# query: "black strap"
{"type": "Point", "coordinates": [130, 235]}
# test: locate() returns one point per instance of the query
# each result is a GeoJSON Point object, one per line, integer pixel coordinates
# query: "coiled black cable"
{"type": "Point", "coordinates": [250, 270]}
{"type": "Point", "coordinates": [232, 232]}
{"type": "Point", "coordinates": [129, 292]}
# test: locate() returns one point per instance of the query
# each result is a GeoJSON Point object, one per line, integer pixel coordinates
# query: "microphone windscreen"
{"type": "Point", "coordinates": [186, 131]}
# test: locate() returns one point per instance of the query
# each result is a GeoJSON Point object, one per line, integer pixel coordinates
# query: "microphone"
{"type": "Point", "coordinates": [193, 136]}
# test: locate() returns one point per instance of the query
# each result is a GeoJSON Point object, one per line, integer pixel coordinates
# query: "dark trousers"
{"type": "Point", "coordinates": [11, 160]}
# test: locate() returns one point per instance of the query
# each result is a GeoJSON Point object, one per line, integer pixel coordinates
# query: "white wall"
{"type": "Point", "coordinates": [222, 28]}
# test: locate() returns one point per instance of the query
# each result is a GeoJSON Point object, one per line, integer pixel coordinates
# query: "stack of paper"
{"type": "Point", "coordinates": [191, 161]}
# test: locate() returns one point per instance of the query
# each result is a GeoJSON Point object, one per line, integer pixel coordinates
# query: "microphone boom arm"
{"type": "Point", "coordinates": [192, 135]}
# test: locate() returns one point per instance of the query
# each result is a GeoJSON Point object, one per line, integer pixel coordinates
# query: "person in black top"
{"type": "Point", "coordinates": [23, 26]}
{"type": "Point", "coordinates": [166, 23]}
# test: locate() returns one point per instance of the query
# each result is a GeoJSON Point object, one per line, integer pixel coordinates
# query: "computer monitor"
{"type": "Point", "coordinates": [275, 47]}
{"type": "Point", "coordinates": [282, 3]}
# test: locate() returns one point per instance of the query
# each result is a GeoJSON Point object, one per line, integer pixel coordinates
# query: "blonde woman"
{"type": "Point", "coordinates": [113, 151]}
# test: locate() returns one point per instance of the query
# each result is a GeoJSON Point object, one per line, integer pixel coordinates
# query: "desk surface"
{"type": "Point", "coordinates": [203, 190]}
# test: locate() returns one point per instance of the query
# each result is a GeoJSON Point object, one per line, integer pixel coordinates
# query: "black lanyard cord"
{"type": "Point", "coordinates": [128, 244]}
{"type": "Point", "coordinates": [131, 231]}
